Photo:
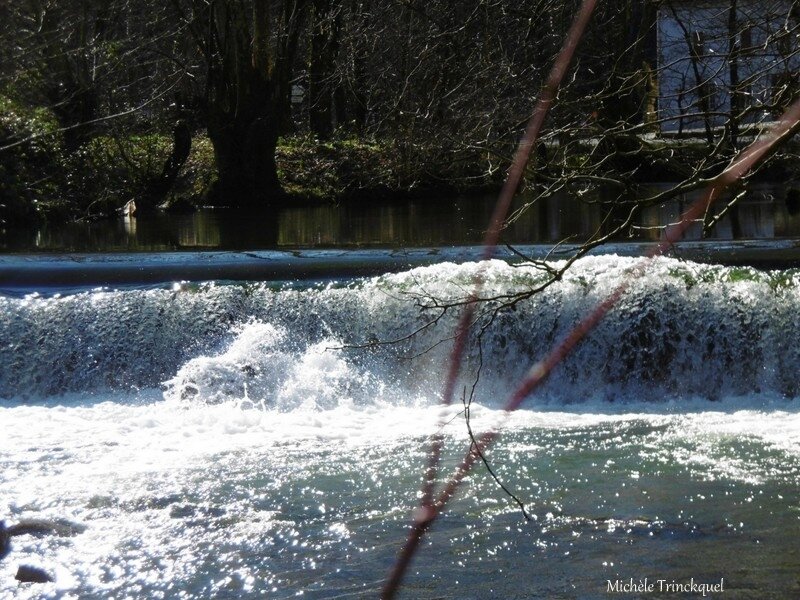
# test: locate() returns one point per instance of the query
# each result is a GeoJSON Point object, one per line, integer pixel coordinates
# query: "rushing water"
{"type": "Point", "coordinates": [250, 439]}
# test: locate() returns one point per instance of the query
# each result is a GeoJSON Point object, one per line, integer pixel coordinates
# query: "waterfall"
{"type": "Point", "coordinates": [684, 330]}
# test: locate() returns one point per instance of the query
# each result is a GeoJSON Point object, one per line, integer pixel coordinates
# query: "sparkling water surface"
{"type": "Point", "coordinates": [227, 501]}
{"type": "Point", "coordinates": [226, 441]}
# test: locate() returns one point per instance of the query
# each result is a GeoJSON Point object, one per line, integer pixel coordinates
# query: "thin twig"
{"type": "Point", "coordinates": [425, 515]}
{"type": "Point", "coordinates": [475, 448]}
{"type": "Point", "coordinates": [428, 511]}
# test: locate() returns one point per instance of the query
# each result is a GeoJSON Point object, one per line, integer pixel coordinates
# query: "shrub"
{"type": "Point", "coordinates": [30, 161]}
{"type": "Point", "coordinates": [109, 170]}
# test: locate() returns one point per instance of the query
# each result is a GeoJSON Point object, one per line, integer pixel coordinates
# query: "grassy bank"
{"type": "Point", "coordinates": [352, 169]}
{"type": "Point", "coordinates": [40, 179]}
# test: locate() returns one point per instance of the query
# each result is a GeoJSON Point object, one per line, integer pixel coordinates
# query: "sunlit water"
{"type": "Point", "coordinates": [221, 441]}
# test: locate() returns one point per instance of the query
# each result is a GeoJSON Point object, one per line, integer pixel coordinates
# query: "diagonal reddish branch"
{"type": "Point", "coordinates": [510, 187]}
{"type": "Point", "coordinates": [787, 127]}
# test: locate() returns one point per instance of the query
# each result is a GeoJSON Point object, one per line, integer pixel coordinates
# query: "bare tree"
{"type": "Point", "coordinates": [248, 51]}
{"type": "Point", "coordinates": [664, 90]}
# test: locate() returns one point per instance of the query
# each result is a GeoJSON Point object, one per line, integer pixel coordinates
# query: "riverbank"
{"type": "Point", "coordinates": [42, 179]}
{"type": "Point", "coordinates": [109, 172]}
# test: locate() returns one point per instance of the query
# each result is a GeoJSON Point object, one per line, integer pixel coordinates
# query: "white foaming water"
{"type": "Point", "coordinates": [683, 330]}
{"type": "Point", "coordinates": [260, 368]}
{"type": "Point", "coordinates": [277, 458]}
{"type": "Point", "coordinates": [162, 489]}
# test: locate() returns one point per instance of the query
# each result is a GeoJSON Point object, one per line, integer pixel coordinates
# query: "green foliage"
{"type": "Point", "coordinates": [199, 172]}
{"type": "Point", "coordinates": [691, 277]}
{"type": "Point", "coordinates": [330, 170]}
{"type": "Point", "coordinates": [109, 170]}
{"type": "Point", "coordinates": [39, 179]}
{"type": "Point", "coordinates": [737, 274]}
{"type": "Point", "coordinates": [354, 168]}
{"type": "Point", "coordinates": [27, 176]}
{"type": "Point", "coordinates": [776, 280]}
{"type": "Point", "coordinates": [25, 121]}
{"type": "Point", "coordinates": [784, 280]}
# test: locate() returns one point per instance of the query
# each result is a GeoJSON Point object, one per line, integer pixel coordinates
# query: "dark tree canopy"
{"type": "Point", "coordinates": [438, 83]}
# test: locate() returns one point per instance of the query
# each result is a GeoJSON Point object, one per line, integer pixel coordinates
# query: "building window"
{"type": "Point", "coordinates": [712, 92]}
{"type": "Point", "coordinates": [785, 43]}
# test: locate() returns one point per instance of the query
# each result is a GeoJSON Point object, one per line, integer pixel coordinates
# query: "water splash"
{"type": "Point", "coordinates": [288, 348]}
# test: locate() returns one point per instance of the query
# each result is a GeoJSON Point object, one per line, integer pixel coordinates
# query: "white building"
{"type": "Point", "coordinates": [713, 67]}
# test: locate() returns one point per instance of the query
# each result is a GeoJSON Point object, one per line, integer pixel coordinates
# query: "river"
{"type": "Point", "coordinates": [235, 439]}
{"type": "Point", "coordinates": [763, 213]}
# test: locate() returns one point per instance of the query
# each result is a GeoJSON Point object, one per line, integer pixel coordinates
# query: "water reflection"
{"type": "Point", "coordinates": [764, 213]}
{"type": "Point", "coordinates": [421, 223]}
{"type": "Point", "coordinates": [761, 214]}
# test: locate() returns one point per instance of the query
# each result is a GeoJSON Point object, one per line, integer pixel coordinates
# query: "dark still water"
{"type": "Point", "coordinates": [763, 214]}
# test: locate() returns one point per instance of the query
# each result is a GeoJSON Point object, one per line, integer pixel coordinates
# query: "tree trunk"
{"type": "Point", "coordinates": [247, 99]}
{"type": "Point", "coordinates": [324, 48]}
{"type": "Point", "coordinates": [245, 152]}
{"type": "Point", "coordinates": [159, 188]}
{"type": "Point", "coordinates": [288, 39]}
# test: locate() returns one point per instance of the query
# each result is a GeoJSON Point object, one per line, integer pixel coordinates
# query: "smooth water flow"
{"type": "Point", "coordinates": [237, 440]}
{"type": "Point", "coordinates": [764, 213]}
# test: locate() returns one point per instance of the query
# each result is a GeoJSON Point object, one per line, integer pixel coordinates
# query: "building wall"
{"type": "Point", "coordinates": [694, 48]}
